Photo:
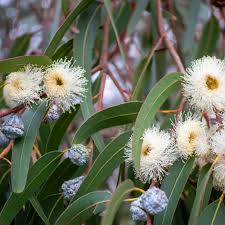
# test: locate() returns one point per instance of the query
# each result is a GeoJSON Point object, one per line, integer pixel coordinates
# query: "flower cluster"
{"type": "Point", "coordinates": [193, 134]}
{"type": "Point", "coordinates": [61, 83]}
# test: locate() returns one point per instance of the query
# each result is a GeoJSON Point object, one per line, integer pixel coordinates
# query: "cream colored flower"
{"type": "Point", "coordinates": [217, 142]}
{"type": "Point", "coordinates": [64, 84]}
{"type": "Point", "coordinates": [204, 84]}
{"type": "Point", "coordinates": [23, 87]}
{"type": "Point", "coordinates": [191, 137]}
{"type": "Point", "coordinates": [219, 175]}
{"type": "Point", "coordinates": [157, 154]}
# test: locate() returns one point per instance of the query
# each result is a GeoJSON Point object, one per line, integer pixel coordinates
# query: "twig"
{"type": "Point", "coordinates": [120, 89]}
{"type": "Point", "coordinates": [10, 111]}
{"type": "Point", "coordinates": [170, 48]}
{"type": "Point", "coordinates": [149, 220]}
{"type": "Point", "coordinates": [96, 69]}
{"type": "Point", "coordinates": [6, 150]}
{"type": "Point", "coordinates": [167, 42]}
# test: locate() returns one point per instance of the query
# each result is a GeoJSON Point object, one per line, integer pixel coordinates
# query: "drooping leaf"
{"type": "Point", "coordinates": [113, 116]}
{"type": "Point", "coordinates": [209, 38]}
{"type": "Point", "coordinates": [88, 25]}
{"type": "Point", "coordinates": [110, 14]}
{"type": "Point", "coordinates": [157, 96]}
{"type": "Point", "coordinates": [204, 188]}
{"type": "Point", "coordinates": [109, 159]}
{"type": "Point", "coordinates": [20, 45]}
{"type": "Point", "coordinates": [63, 172]}
{"type": "Point", "coordinates": [81, 209]}
{"type": "Point", "coordinates": [58, 130]}
{"type": "Point", "coordinates": [22, 148]}
{"type": "Point", "coordinates": [14, 64]}
{"type": "Point", "coordinates": [214, 214]}
{"type": "Point", "coordinates": [39, 172]}
{"type": "Point", "coordinates": [173, 185]}
{"type": "Point", "coordinates": [38, 208]}
{"type": "Point", "coordinates": [117, 198]}
{"type": "Point", "coordinates": [65, 26]}
{"type": "Point", "coordinates": [63, 50]}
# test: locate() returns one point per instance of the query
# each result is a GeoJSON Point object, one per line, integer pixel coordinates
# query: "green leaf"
{"type": "Point", "coordinates": [173, 185]}
{"type": "Point", "coordinates": [140, 6]}
{"type": "Point", "coordinates": [63, 172]}
{"type": "Point", "coordinates": [58, 130]}
{"type": "Point", "coordinates": [109, 11]}
{"type": "Point", "coordinates": [38, 173]}
{"type": "Point", "coordinates": [210, 36]}
{"type": "Point", "coordinates": [20, 45]}
{"type": "Point", "coordinates": [81, 209]}
{"type": "Point", "coordinates": [142, 72]}
{"type": "Point", "coordinates": [88, 26]}
{"type": "Point", "coordinates": [204, 188]}
{"type": "Point", "coordinates": [22, 148]}
{"type": "Point", "coordinates": [38, 208]}
{"type": "Point", "coordinates": [113, 116]}
{"type": "Point", "coordinates": [109, 159]}
{"type": "Point", "coordinates": [65, 26]}
{"type": "Point", "coordinates": [63, 50]}
{"type": "Point", "coordinates": [14, 64]}
{"type": "Point", "coordinates": [214, 214]}
{"type": "Point", "coordinates": [117, 198]}
{"type": "Point", "coordinates": [55, 23]}
{"type": "Point", "coordinates": [157, 96]}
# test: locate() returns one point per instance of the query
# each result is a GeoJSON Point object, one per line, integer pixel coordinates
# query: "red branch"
{"type": "Point", "coordinates": [10, 111]}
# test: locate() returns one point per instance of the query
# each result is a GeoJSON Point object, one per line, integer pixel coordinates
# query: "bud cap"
{"type": "Point", "coordinates": [137, 212]}
{"type": "Point", "coordinates": [13, 127]}
{"type": "Point", "coordinates": [78, 154]}
{"type": "Point", "coordinates": [154, 200]}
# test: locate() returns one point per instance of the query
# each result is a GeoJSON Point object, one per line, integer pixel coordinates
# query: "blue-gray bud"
{"type": "Point", "coordinates": [13, 127]}
{"type": "Point", "coordinates": [4, 141]}
{"type": "Point", "coordinates": [78, 154]}
{"type": "Point", "coordinates": [154, 200]}
{"type": "Point", "coordinates": [137, 213]}
{"type": "Point", "coordinates": [53, 113]}
{"type": "Point", "coordinates": [71, 187]}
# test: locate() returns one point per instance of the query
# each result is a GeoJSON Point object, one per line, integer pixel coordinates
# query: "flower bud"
{"type": "Point", "coordinates": [71, 187]}
{"type": "Point", "coordinates": [3, 140]}
{"type": "Point", "coordinates": [53, 113]}
{"type": "Point", "coordinates": [78, 154]}
{"type": "Point", "coordinates": [137, 212]}
{"type": "Point", "coordinates": [13, 127]}
{"type": "Point", "coordinates": [154, 200]}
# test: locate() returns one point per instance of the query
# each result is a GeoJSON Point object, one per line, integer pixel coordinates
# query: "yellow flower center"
{"type": "Point", "coordinates": [211, 82]}
{"type": "Point", "coordinates": [191, 138]}
{"type": "Point", "coordinates": [59, 81]}
{"type": "Point", "coordinates": [146, 150]}
{"type": "Point", "coordinates": [16, 84]}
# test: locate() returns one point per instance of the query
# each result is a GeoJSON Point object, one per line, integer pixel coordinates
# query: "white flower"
{"type": "Point", "coordinates": [157, 154]}
{"type": "Point", "coordinates": [217, 142]}
{"type": "Point", "coordinates": [219, 175]}
{"type": "Point", "coordinates": [64, 84]}
{"type": "Point", "coordinates": [204, 84]}
{"type": "Point", "coordinates": [23, 87]}
{"type": "Point", "coordinates": [191, 137]}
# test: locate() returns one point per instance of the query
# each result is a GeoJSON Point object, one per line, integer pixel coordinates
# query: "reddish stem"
{"type": "Point", "coordinates": [10, 111]}
{"type": "Point", "coordinates": [7, 149]}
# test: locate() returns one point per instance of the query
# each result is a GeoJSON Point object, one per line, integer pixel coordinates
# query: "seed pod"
{"type": "Point", "coordinates": [4, 141]}
{"type": "Point", "coordinates": [13, 127]}
{"type": "Point", "coordinates": [154, 200]}
{"type": "Point", "coordinates": [71, 187]}
{"type": "Point", "coordinates": [53, 113]}
{"type": "Point", "coordinates": [78, 154]}
{"type": "Point", "coordinates": [137, 212]}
